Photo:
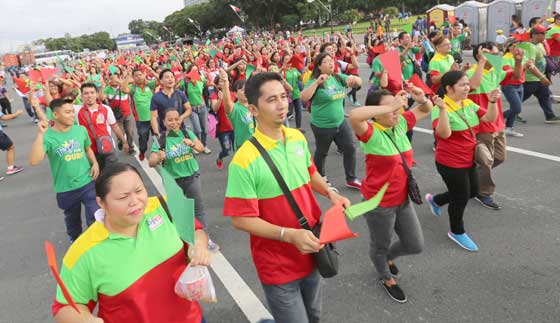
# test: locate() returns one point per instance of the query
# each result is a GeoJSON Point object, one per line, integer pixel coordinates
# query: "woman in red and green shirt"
{"type": "Point", "coordinates": [128, 261]}
{"type": "Point", "coordinates": [383, 142]}
{"type": "Point", "coordinates": [455, 121]}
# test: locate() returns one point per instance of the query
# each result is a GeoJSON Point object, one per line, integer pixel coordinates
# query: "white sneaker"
{"type": "Point", "coordinates": [212, 246]}
{"type": "Point", "coordinates": [207, 150]}
{"type": "Point", "coordinates": [512, 133]}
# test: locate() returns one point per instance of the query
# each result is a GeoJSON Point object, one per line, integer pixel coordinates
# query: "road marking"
{"type": "Point", "coordinates": [241, 293]}
{"type": "Point", "coordinates": [510, 148]}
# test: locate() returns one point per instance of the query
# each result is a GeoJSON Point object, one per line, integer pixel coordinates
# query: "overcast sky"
{"type": "Point", "coordinates": [26, 20]}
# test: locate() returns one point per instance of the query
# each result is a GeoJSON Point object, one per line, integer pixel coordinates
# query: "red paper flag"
{"type": "Point", "coordinates": [194, 76]}
{"type": "Point", "coordinates": [392, 64]}
{"type": "Point", "coordinates": [334, 225]}
{"type": "Point", "coordinates": [51, 259]}
{"type": "Point", "coordinates": [35, 76]}
{"type": "Point", "coordinates": [47, 73]}
{"type": "Point", "coordinates": [122, 61]}
{"type": "Point", "coordinates": [522, 37]}
{"type": "Point", "coordinates": [452, 19]}
{"type": "Point", "coordinates": [417, 81]}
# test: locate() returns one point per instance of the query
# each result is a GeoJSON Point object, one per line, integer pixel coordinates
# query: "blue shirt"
{"type": "Point", "coordinates": [161, 102]}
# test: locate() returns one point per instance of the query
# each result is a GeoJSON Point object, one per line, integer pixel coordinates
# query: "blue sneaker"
{"type": "Point", "coordinates": [436, 210]}
{"type": "Point", "coordinates": [463, 240]}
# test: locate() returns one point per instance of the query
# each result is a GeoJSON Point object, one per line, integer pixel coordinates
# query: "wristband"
{"type": "Point", "coordinates": [491, 101]}
{"type": "Point", "coordinates": [282, 231]}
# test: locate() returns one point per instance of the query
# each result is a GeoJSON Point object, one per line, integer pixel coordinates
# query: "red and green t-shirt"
{"type": "Point", "coordinates": [491, 80]}
{"type": "Point", "coordinates": [383, 161]}
{"type": "Point", "coordinates": [553, 40]}
{"type": "Point", "coordinates": [508, 65]}
{"type": "Point", "coordinates": [224, 125]}
{"type": "Point", "coordinates": [439, 65]}
{"type": "Point", "coordinates": [253, 191]}
{"type": "Point", "coordinates": [132, 279]}
{"type": "Point", "coordinates": [457, 151]}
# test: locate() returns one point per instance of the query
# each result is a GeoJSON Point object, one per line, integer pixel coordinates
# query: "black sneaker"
{"type": "Point", "coordinates": [552, 120]}
{"type": "Point", "coordinates": [518, 119]}
{"type": "Point", "coordinates": [395, 292]}
{"type": "Point", "coordinates": [393, 269]}
{"type": "Point", "coordinates": [487, 202]}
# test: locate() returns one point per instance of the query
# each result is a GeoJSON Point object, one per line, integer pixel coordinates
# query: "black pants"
{"type": "Point", "coordinates": [6, 106]}
{"type": "Point", "coordinates": [342, 137]}
{"type": "Point", "coordinates": [462, 185]}
{"type": "Point", "coordinates": [353, 93]}
{"type": "Point", "coordinates": [105, 159]}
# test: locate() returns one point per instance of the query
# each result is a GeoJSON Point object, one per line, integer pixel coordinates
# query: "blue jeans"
{"type": "Point", "coordinates": [199, 121]}
{"type": "Point", "coordinates": [71, 203]}
{"type": "Point", "coordinates": [542, 93]}
{"type": "Point", "coordinates": [514, 95]}
{"type": "Point", "coordinates": [295, 302]}
{"type": "Point", "coordinates": [144, 129]}
{"type": "Point", "coordinates": [226, 141]}
{"type": "Point", "coordinates": [29, 108]}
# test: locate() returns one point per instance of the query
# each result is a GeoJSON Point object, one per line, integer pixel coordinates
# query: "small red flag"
{"type": "Point", "coordinates": [417, 81]}
{"type": "Point", "coordinates": [122, 61]}
{"type": "Point", "coordinates": [194, 76]}
{"type": "Point", "coordinates": [392, 64]}
{"type": "Point", "coordinates": [334, 226]}
{"type": "Point", "coordinates": [51, 259]}
{"type": "Point", "coordinates": [35, 76]}
{"type": "Point", "coordinates": [522, 37]}
{"type": "Point", "coordinates": [379, 49]}
{"type": "Point", "coordinates": [47, 73]}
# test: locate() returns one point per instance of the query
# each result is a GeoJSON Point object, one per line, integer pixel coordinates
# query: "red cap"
{"type": "Point", "coordinates": [539, 29]}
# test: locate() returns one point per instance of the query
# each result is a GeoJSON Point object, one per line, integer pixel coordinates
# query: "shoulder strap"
{"type": "Point", "coordinates": [291, 200]}
{"type": "Point", "coordinates": [405, 166]}
{"type": "Point", "coordinates": [162, 140]}
{"type": "Point", "coordinates": [164, 206]}
{"type": "Point", "coordinates": [467, 123]}
{"type": "Point", "coordinates": [89, 123]}
{"type": "Point", "coordinates": [185, 133]}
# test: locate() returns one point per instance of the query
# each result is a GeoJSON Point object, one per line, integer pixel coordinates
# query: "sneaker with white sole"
{"type": "Point", "coordinates": [212, 246]}
{"type": "Point", "coordinates": [512, 133]}
{"type": "Point", "coordinates": [463, 240]}
{"type": "Point", "coordinates": [434, 208]}
{"type": "Point", "coordinates": [354, 184]}
{"type": "Point", "coordinates": [487, 202]}
{"type": "Point", "coordinates": [207, 151]}
{"type": "Point", "coordinates": [1, 178]}
{"type": "Point", "coordinates": [14, 170]}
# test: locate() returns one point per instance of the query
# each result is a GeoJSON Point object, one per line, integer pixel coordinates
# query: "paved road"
{"type": "Point", "coordinates": [513, 278]}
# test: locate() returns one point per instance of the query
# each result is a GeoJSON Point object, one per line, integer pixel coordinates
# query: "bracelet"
{"type": "Point", "coordinates": [492, 101]}
{"type": "Point", "coordinates": [282, 231]}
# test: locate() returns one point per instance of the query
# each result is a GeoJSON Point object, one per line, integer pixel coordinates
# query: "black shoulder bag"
{"type": "Point", "coordinates": [117, 111]}
{"type": "Point", "coordinates": [327, 258]}
{"type": "Point", "coordinates": [413, 189]}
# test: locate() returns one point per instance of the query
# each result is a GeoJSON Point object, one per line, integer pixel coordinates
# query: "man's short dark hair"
{"type": "Point", "coordinates": [58, 103]}
{"type": "Point", "coordinates": [402, 34]}
{"type": "Point", "coordinates": [165, 70]}
{"type": "Point", "coordinates": [254, 84]}
{"type": "Point", "coordinates": [86, 85]}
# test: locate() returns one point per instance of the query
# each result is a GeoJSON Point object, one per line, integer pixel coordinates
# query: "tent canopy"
{"type": "Point", "coordinates": [236, 29]}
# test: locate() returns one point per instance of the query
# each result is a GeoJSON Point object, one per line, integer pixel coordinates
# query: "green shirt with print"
{"type": "Point", "coordinates": [179, 158]}
{"type": "Point", "coordinates": [327, 105]}
{"type": "Point", "coordinates": [456, 44]}
{"type": "Point", "coordinates": [535, 53]}
{"type": "Point", "coordinates": [142, 99]}
{"type": "Point", "coordinates": [66, 151]}
{"type": "Point", "coordinates": [243, 124]}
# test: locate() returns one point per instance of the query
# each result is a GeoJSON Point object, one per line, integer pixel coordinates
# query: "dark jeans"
{"type": "Point", "coordinates": [543, 95]}
{"type": "Point", "coordinates": [226, 141]}
{"type": "Point", "coordinates": [71, 203]}
{"type": "Point", "coordinates": [342, 137]}
{"type": "Point", "coordinates": [353, 93]}
{"type": "Point", "coordinates": [462, 185]}
{"type": "Point", "coordinates": [29, 108]}
{"type": "Point", "coordinates": [144, 130]}
{"type": "Point", "coordinates": [6, 106]}
{"type": "Point", "coordinates": [295, 107]}
{"type": "Point", "coordinates": [192, 189]}
{"type": "Point", "coordinates": [514, 95]}
{"type": "Point", "coordinates": [295, 302]}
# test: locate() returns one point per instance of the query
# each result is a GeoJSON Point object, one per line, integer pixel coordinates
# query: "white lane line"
{"type": "Point", "coordinates": [241, 293]}
{"type": "Point", "coordinates": [510, 148]}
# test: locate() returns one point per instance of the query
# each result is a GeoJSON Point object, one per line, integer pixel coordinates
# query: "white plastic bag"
{"type": "Point", "coordinates": [195, 284]}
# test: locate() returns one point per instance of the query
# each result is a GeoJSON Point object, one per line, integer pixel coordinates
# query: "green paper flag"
{"type": "Point", "coordinates": [407, 28]}
{"type": "Point", "coordinates": [250, 69]}
{"type": "Point", "coordinates": [112, 69]}
{"type": "Point", "coordinates": [525, 46]}
{"type": "Point", "coordinates": [497, 62]}
{"type": "Point", "coordinates": [64, 67]}
{"type": "Point", "coordinates": [356, 210]}
{"type": "Point", "coordinates": [139, 60]}
{"type": "Point", "coordinates": [180, 207]}
{"type": "Point", "coordinates": [213, 53]}
{"type": "Point", "coordinates": [208, 42]}
{"type": "Point", "coordinates": [173, 58]}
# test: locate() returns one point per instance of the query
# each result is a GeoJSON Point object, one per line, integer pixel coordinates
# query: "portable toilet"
{"type": "Point", "coordinates": [438, 13]}
{"type": "Point", "coordinates": [536, 8]}
{"type": "Point", "coordinates": [475, 15]}
{"type": "Point", "coordinates": [499, 17]}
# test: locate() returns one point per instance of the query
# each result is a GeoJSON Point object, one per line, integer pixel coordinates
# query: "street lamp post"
{"type": "Point", "coordinates": [329, 9]}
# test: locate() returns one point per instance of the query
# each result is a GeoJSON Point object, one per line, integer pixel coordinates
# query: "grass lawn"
{"type": "Point", "coordinates": [360, 27]}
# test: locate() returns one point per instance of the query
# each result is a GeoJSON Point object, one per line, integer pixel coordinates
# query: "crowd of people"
{"type": "Point", "coordinates": [248, 91]}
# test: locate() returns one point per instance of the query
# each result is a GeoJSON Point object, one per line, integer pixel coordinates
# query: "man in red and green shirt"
{"type": "Point", "coordinates": [281, 249]}
{"type": "Point", "coordinates": [118, 99]}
